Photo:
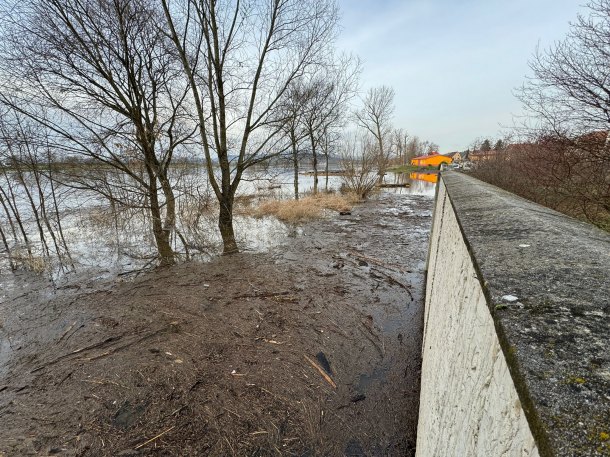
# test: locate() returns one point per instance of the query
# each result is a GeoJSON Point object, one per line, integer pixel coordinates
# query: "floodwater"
{"type": "Point", "coordinates": [419, 183]}
{"type": "Point", "coordinates": [103, 242]}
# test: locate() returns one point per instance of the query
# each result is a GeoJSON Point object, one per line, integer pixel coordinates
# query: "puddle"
{"type": "Point", "coordinates": [375, 379]}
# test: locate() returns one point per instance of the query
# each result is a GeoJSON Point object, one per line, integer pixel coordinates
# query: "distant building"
{"type": "Point", "coordinates": [478, 156]}
{"type": "Point", "coordinates": [456, 156]}
{"type": "Point", "coordinates": [434, 159]}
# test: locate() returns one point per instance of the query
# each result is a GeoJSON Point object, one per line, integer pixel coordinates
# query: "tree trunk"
{"type": "Point", "coordinates": [315, 173]}
{"type": "Point", "coordinates": [164, 248]}
{"type": "Point", "coordinates": [8, 249]}
{"type": "Point", "coordinates": [28, 194]}
{"type": "Point", "coordinates": [326, 171]}
{"type": "Point", "coordinates": [56, 208]}
{"type": "Point", "coordinates": [43, 207]}
{"type": "Point", "coordinates": [12, 203]}
{"type": "Point", "coordinates": [170, 204]}
{"type": "Point", "coordinates": [8, 215]}
{"type": "Point", "coordinates": [295, 163]}
{"type": "Point", "coordinates": [225, 224]}
{"type": "Point", "coordinates": [314, 162]}
{"type": "Point", "coordinates": [381, 162]}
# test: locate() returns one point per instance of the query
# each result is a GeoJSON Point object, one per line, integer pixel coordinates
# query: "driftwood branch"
{"type": "Point", "coordinates": [322, 372]}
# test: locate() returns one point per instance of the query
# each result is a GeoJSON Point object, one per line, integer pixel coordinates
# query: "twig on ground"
{"type": "Point", "coordinates": [379, 347]}
{"type": "Point", "coordinates": [389, 266]}
{"type": "Point", "coordinates": [130, 343]}
{"type": "Point", "coordinates": [393, 280]}
{"type": "Point", "coordinates": [66, 332]}
{"type": "Point", "coordinates": [155, 437]}
{"type": "Point", "coordinates": [263, 295]}
{"type": "Point", "coordinates": [322, 372]}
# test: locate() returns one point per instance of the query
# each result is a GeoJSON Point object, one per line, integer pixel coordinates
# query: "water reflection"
{"type": "Point", "coordinates": [428, 177]}
{"type": "Point", "coordinates": [418, 183]}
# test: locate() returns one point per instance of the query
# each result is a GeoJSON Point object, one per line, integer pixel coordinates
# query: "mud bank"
{"type": "Point", "coordinates": [224, 358]}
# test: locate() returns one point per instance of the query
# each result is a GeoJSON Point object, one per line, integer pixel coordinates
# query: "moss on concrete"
{"type": "Point", "coordinates": [556, 342]}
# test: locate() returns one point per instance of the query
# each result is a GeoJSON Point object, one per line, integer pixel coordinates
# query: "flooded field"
{"type": "Point", "coordinates": [103, 240]}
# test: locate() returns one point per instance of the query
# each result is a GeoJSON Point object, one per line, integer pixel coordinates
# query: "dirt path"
{"type": "Point", "coordinates": [220, 358]}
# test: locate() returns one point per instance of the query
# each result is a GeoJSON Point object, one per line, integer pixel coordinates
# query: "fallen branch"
{"type": "Point", "coordinates": [78, 351]}
{"type": "Point", "coordinates": [392, 280]}
{"type": "Point", "coordinates": [322, 372]}
{"type": "Point", "coordinates": [129, 343]}
{"type": "Point", "coordinates": [74, 332]}
{"type": "Point", "coordinates": [101, 344]}
{"type": "Point", "coordinates": [63, 379]}
{"type": "Point", "coordinates": [263, 295]}
{"type": "Point", "coordinates": [378, 262]}
{"type": "Point", "coordinates": [391, 185]}
{"type": "Point", "coordinates": [66, 332]}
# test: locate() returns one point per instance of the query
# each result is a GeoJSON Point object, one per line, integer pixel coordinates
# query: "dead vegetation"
{"type": "Point", "coordinates": [359, 161]}
{"type": "Point", "coordinates": [305, 209]}
{"type": "Point", "coordinates": [30, 262]}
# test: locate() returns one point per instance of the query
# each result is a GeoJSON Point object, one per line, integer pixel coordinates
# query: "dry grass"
{"type": "Point", "coordinates": [307, 208]}
{"type": "Point", "coordinates": [30, 262]}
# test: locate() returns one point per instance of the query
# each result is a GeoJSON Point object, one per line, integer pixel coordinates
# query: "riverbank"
{"type": "Point", "coordinates": [312, 348]}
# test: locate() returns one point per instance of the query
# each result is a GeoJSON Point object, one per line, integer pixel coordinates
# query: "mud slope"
{"type": "Point", "coordinates": [235, 357]}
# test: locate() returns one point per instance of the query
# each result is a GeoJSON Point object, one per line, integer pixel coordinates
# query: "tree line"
{"type": "Point", "coordinates": [134, 85]}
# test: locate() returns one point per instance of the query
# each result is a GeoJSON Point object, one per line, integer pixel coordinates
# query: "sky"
{"type": "Point", "coordinates": [454, 64]}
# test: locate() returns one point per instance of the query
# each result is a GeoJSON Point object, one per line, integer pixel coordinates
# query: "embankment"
{"type": "Point", "coordinates": [516, 358]}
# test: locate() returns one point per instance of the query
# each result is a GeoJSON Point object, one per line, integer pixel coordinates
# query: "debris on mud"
{"type": "Point", "coordinates": [220, 358]}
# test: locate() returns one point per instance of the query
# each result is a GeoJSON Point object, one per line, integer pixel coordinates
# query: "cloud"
{"type": "Point", "coordinates": [451, 63]}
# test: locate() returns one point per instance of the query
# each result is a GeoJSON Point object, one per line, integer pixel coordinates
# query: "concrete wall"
{"type": "Point", "coordinates": [517, 324]}
{"type": "Point", "coordinates": [469, 405]}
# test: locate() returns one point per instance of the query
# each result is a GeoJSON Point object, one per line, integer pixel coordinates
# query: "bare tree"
{"type": "Point", "coordinates": [330, 141]}
{"type": "Point", "coordinates": [327, 96]}
{"type": "Point", "coordinates": [358, 162]}
{"type": "Point", "coordinates": [290, 117]}
{"type": "Point", "coordinates": [400, 144]}
{"type": "Point", "coordinates": [376, 118]}
{"type": "Point", "coordinates": [568, 106]}
{"type": "Point", "coordinates": [413, 148]}
{"type": "Point", "coordinates": [31, 170]}
{"type": "Point", "coordinates": [567, 92]}
{"type": "Point", "coordinates": [239, 59]}
{"type": "Point", "coordinates": [97, 75]}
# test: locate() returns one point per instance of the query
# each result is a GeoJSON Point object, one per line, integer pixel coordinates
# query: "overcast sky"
{"type": "Point", "coordinates": [453, 63]}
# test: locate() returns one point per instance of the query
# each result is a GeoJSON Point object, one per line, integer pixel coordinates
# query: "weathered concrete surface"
{"type": "Point", "coordinates": [556, 335]}
{"type": "Point", "coordinates": [468, 403]}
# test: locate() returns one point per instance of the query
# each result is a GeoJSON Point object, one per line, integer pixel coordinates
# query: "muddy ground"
{"type": "Point", "coordinates": [233, 357]}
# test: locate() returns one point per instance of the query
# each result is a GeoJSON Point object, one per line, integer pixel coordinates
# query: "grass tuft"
{"type": "Point", "coordinates": [305, 209]}
{"type": "Point", "coordinates": [31, 262]}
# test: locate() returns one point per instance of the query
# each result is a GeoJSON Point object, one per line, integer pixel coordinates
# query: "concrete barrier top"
{"type": "Point", "coordinates": [546, 278]}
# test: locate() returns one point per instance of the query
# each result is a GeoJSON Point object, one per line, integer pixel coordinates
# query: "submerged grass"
{"type": "Point", "coordinates": [30, 262]}
{"type": "Point", "coordinates": [307, 208]}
